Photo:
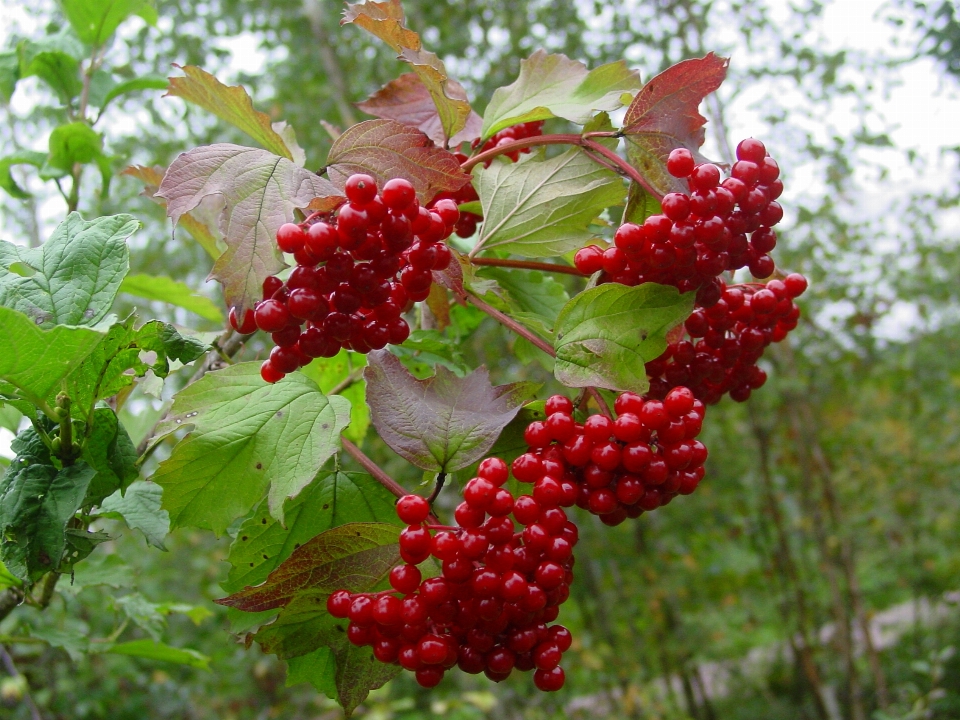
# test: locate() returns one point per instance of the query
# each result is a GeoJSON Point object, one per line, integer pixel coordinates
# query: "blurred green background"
{"type": "Point", "coordinates": [814, 574]}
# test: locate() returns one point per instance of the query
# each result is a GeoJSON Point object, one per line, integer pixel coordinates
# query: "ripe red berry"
{"type": "Point", "coordinates": [680, 162]}
{"type": "Point", "coordinates": [291, 237]}
{"type": "Point", "coordinates": [412, 509]}
{"type": "Point", "coordinates": [398, 194]}
{"type": "Point", "coordinates": [360, 189]}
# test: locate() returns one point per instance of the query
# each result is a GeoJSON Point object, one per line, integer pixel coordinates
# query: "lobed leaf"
{"type": "Point", "coordinates": [556, 86]}
{"type": "Point", "coordinates": [664, 116]}
{"type": "Point", "coordinates": [109, 450]}
{"type": "Point", "coordinates": [260, 192]}
{"type": "Point", "coordinates": [54, 59]}
{"type": "Point", "coordinates": [139, 506]}
{"type": "Point", "coordinates": [95, 21]}
{"type": "Point", "coordinates": [541, 207]}
{"type": "Point", "coordinates": [442, 423]}
{"type": "Point", "coordinates": [245, 437]}
{"type": "Point", "coordinates": [606, 334]}
{"type": "Point", "coordinates": [407, 100]}
{"type": "Point", "coordinates": [73, 278]}
{"type": "Point", "coordinates": [386, 20]}
{"type": "Point", "coordinates": [230, 103]}
{"type": "Point", "coordinates": [387, 149]}
{"type": "Point", "coordinates": [329, 373]}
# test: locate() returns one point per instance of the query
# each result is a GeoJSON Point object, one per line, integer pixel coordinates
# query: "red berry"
{"type": "Point", "coordinates": [680, 162]}
{"type": "Point", "coordinates": [360, 189]}
{"type": "Point", "coordinates": [549, 680]}
{"type": "Point", "coordinates": [412, 509]}
{"type": "Point", "coordinates": [291, 238]}
{"type": "Point", "coordinates": [398, 194]}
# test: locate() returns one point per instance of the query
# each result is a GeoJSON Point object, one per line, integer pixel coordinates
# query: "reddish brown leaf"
{"type": "Point", "coordinates": [664, 116]}
{"type": "Point", "coordinates": [451, 277]}
{"type": "Point", "coordinates": [387, 149]}
{"type": "Point", "coordinates": [355, 557]}
{"type": "Point", "coordinates": [386, 21]}
{"type": "Point", "coordinates": [407, 100]}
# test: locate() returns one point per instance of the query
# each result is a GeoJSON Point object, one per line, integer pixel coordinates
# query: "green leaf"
{"type": "Point", "coordinates": [332, 500]}
{"type": "Point", "coordinates": [76, 142]}
{"type": "Point", "coordinates": [79, 545]}
{"type": "Point", "coordinates": [74, 639]}
{"type": "Point", "coordinates": [145, 614]}
{"type": "Point", "coordinates": [387, 149]}
{"type": "Point", "coordinates": [260, 192]}
{"type": "Point", "coordinates": [95, 21]}
{"type": "Point", "coordinates": [100, 569]}
{"type": "Point", "coordinates": [533, 298]}
{"type": "Point", "coordinates": [153, 650]}
{"type": "Point", "coordinates": [109, 450]}
{"type": "Point", "coordinates": [443, 423]}
{"type": "Point", "coordinates": [10, 416]}
{"type": "Point", "coordinates": [169, 344]}
{"type": "Point", "coordinates": [318, 668]}
{"type": "Point", "coordinates": [355, 556]}
{"type": "Point", "coordinates": [9, 74]}
{"type": "Point", "coordinates": [164, 289]}
{"type": "Point", "coordinates": [245, 436]}
{"type": "Point", "coordinates": [607, 333]}
{"type": "Point", "coordinates": [55, 59]}
{"type": "Point", "coordinates": [556, 86]}
{"type": "Point", "coordinates": [146, 82]}
{"type": "Point", "coordinates": [35, 360]}
{"type": "Point", "coordinates": [541, 207]}
{"type": "Point", "coordinates": [36, 502]}
{"type": "Point", "coordinates": [640, 205]}
{"type": "Point", "coordinates": [24, 157]}
{"type": "Point", "coordinates": [229, 103]}
{"type": "Point", "coordinates": [139, 506]}
{"type": "Point", "coordinates": [328, 373]}
{"type": "Point", "coordinates": [77, 272]}
{"type": "Point", "coordinates": [386, 20]}
{"type": "Point", "coordinates": [7, 579]}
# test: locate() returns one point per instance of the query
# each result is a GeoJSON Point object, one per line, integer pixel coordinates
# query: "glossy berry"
{"type": "Point", "coordinates": [412, 509]}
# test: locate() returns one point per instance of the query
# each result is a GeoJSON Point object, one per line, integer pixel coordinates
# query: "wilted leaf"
{"type": "Point", "coordinates": [386, 21]}
{"type": "Point", "coordinates": [260, 191]}
{"type": "Point", "coordinates": [606, 334]}
{"type": "Point", "coordinates": [541, 207]}
{"type": "Point", "coordinates": [407, 100]}
{"type": "Point", "coordinates": [664, 116]}
{"type": "Point", "coordinates": [230, 103]}
{"type": "Point", "coordinates": [443, 423]}
{"type": "Point", "coordinates": [556, 86]}
{"type": "Point", "coordinates": [386, 149]}
{"type": "Point", "coordinates": [245, 436]}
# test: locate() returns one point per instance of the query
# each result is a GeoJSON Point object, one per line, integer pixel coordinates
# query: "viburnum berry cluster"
{"type": "Point", "coordinates": [715, 228]}
{"type": "Point", "coordinates": [617, 468]}
{"type": "Point", "coordinates": [489, 610]}
{"type": "Point", "coordinates": [727, 340]}
{"type": "Point", "coordinates": [467, 225]}
{"type": "Point", "coordinates": [356, 272]}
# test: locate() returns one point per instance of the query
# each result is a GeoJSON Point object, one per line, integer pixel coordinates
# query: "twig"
{"type": "Point", "coordinates": [527, 265]}
{"type": "Point", "coordinates": [371, 467]}
{"type": "Point", "coordinates": [441, 478]}
{"type": "Point", "coordinates": [511, 324]}
{"type": "Point", "coordinates": [595, 394]}
{"type": "Point", "coordinates": [346, 382]}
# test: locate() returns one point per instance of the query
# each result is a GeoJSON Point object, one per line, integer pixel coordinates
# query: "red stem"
{"type": "Point", "coordinates": [371, 467]}
{"type": "Point", "coordinates": [604, 408]}
{"type": "Point", "coordinates": [583, 141]}
{"type": "Point", "coordinates": [512, 324]}
{"type": "Point", "coordinates": [527, 265]}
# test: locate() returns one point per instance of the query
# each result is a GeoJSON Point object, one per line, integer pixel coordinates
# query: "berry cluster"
{"type": "Point", "coordinates": [355, 274]}
{"type": "Point", "coordinates": [490, 608]}
{"type": "Point", "coordinates": [467, 225]}
{"type": "Point", "coordinates": [718, 226]}
{"type": "Point", "coordinates": [616, 468]}
{"type": "Point", "coordinates": [731, 336]}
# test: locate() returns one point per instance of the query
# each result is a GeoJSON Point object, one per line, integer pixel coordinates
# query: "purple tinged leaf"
{"type": "Point", "coordinates": [260, 191]}
{"type": "Point", "coordinates": [442, 423]}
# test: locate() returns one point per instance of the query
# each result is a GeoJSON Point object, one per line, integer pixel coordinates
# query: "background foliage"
{"type": "Point", "coordinates": [832, 496]}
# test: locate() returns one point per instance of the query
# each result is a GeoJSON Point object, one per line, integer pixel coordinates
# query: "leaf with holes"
{"type": "Point", "coordinates": [665, 116]}
{"type": "Point", "coordinates": [260, 191]}
{"type": "Point", "coordinates": [541, 207]}
{"type": "Point", "coordinates": [73, 278]}
{"type": "Point", "coordinates": [407, 100]}
{"type": "Point", "coordinates": [556, 86]}
{"type": "Point", "coordinates": [109, 450]}
{"type": "Point", "coordinates": [606, 334]}
{"type": "Point", "coordinates": [387, 149]}
{"type": "Point", "coordinates": [245, 437]}
{"type": "Point", "coordinates": [442, 423]}
{"type": "Point", "coordinates": [386, 21]}
{"type": "Point", "coordinates": [231, 104]}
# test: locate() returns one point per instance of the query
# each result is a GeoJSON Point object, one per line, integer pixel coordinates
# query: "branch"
{"type": "Point", "coordinates": [511, 324]}
{"type": "Point", "coordinates": [528, 265]}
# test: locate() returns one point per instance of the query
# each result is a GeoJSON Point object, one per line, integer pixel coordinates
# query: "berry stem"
{"type": "Point", "coordinates": [512, 325]}
{"type": "Point", "coordinates": [604, 408]}
{"type": "Point", "coordinates": [584, 141]}
{"type": "Point", "coordinates": [441, 478]}
{"type": "Point", "coordinates": [527, 265]}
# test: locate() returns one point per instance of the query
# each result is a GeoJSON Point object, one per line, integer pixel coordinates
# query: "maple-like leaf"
{"type": "Point", "coordinates": [407, 100]}
{"type": "Point", "coordinates": [442, 423]}
{"type": "Point", "coordinates": [233, 104]}
{"type": "Point", "coordinates": [260, 191]}
{"type": "Point", "coordinates": [386, 20]}
{"type": "Point", "coordinates": [664, 116]}
{"type": "Point", "coordinates": [388, 149]}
